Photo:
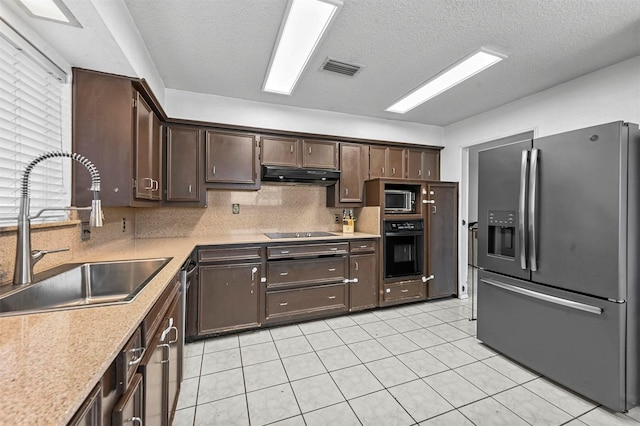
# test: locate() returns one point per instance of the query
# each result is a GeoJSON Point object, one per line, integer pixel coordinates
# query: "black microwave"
{"type": "Point", "coordinates": [399, 201]}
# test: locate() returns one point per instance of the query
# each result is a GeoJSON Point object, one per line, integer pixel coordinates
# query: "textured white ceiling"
{"type": "Point", "coordinates": [223, 47]}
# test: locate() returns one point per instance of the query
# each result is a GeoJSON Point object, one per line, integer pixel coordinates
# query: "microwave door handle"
{"type": "Point", "coordinates": [522, 205]}
{"type": "Point", "coordinates": [532, 210]}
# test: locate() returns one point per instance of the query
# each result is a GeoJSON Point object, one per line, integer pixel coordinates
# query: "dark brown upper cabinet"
{"type": "Point", "coordinates": [385, 161]}
{"type": "Point", "coordinates": [292, 152]}
{"type": "Point", "coordinates": [277, 151]}
{"type": "Point", "coordinates": [354, 170]}
{"type": "Point", "coordinates": [116, 127]}
{"type": "Point", "coordinates": [232, 160]}
{"type": "Point", "coordinates": [148, 152]}
{"type": "Point", "coordinates": [184, 174]}
{"type": "Point", "coordinates": [423, 164]}
{"type": "Point", "coordinates": [318, 154]}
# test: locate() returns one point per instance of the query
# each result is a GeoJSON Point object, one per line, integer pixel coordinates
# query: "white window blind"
{"type": "Point", "coordinates": [31, 120]}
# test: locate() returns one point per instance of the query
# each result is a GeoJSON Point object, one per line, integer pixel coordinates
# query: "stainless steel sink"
{"type": "Point", "coordinates": [78, 285]}
{"type": "Point", "coordinates": [277, 235]}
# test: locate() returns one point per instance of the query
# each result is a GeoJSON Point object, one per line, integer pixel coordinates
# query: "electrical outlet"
{"type": "Point", "coordinates": [337, 218]}
{"type": "Point", "coordinates": [235, 208]}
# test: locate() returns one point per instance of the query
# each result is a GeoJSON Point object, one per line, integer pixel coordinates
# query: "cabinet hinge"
{"type": "Point", "coordinates": [134, 102]}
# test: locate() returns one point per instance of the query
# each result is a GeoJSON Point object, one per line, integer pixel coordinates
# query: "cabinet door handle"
{"type": "Point", "coordinates": [136, 359]}
{"type": "Point", "coordinates": [291, 148]}
{"type": "Point", "coordinates": [284, 303]}
{"type": "Point", "coordinates": [419, 172]}
{"type": "Point", "coordinates": [190, 189]}
{"type": "Point", "coordinates": [331, 297]}
{"type": "Point", "coordinates": [309, 150]}
{"type": "Point", "coordinates": [429, 173]}
{"type": "Point", "coordinates": [150, 186]}
{"type": "Point", "coordinates": [382, 169]}
{"type": "Point", "coordinates": [346, 191]}
{"type": "Point", "coordinates": [171, 342]}
{"type": "Point", "coordinates": [284, 274]}
{"type": "Point", "coordinates": [253, 273]}
{"type": "Point", "coordinates": [134, 420]}
{"type": "Point", "coordinates": [164, 346]}
{"type": "Point", "coordinates": [332, 269]}
{"type": "Point", "coordinates": [404, 290]}
{"type": "Point", "coordinates": [357, 266]}
{"type": "Point", "coordinates": [435, 209]}
{"type": "Point", "coordinates": [393, 171]}
{"type": "Point", "coordinates": [213, 170]}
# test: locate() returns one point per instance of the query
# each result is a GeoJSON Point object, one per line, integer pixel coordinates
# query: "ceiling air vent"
{"type": "Point", "coordinates": [341, 67]}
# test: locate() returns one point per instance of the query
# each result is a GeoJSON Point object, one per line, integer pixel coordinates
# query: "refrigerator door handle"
{"type": "Point", "coordinates": [522, 205]}
{"type": "Point", "coordinates": [533, 187]}
{"type": "Point", "coordinates": [545, 297]}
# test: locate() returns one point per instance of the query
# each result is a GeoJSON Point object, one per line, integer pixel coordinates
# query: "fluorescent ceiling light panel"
{"type": "Point", "coordinates": [457, 73]}
{"type": "Point", "coordinates": [300, 33]}
{"type": "Point", "coordinates": [52, 10]}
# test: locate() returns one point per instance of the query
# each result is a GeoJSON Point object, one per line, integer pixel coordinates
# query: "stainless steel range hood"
{"type": "Point", "coordinates": [296, 176]}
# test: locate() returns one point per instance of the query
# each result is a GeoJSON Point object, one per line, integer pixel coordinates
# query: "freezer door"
{"type": "Point", "coordinates": [575, 340]}
{"type": "Point", "coordinates": [580, 210]}
{"type": "Point", "coordinates": [502, 184]}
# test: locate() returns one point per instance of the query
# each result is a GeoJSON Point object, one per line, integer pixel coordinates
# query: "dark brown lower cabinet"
{"type": "Point", "coordinates": [90, 413]}
{"type": "Point", "coordinates": [228, 297]}
{"type": "Point", "coordinates": [363, 293]}
{"type": "Point", "coordinates": [161, 365]}
{"type": "Point", "coordinates": [441, 219]}
{"type": "Point", "coordinates": [129, 410]}
{"type": "Point", "coordinates": [404, 291]}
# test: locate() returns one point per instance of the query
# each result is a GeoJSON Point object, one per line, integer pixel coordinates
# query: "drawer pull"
{"type": "Point", "coordinates": [334, 249]}
{"type": "Point", "coordinates": [405, 290]}
{"type": "Point", "coordinates": [284, 252]}
{"type": "Point", "coordinates": [363, 246]}
{"type": "Point", "coordinates": [332, 269]}
{"type": "Point", "coordinates": [357, 266]}
{"type": "Point", "coordinates": [134, 420]}
{"type": "Point", "coordinates": [136, 359]}
{"type": "Point", "coordinates": [284, 303]}
{"type": "Point", "coordinates": [331, 297]}
{"type": "Point", "coordinates": [284, 274]}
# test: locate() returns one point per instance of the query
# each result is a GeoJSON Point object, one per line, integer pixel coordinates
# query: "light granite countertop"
{"type": "Point", "coordinates": [50, 362]}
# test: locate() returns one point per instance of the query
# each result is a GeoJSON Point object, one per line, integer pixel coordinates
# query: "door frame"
{"type": "Point", "coordinates": [469, 186]}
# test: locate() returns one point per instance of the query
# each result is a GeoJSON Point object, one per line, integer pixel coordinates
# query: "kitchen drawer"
{"type": "Point", "coordinates": [405, 291]}
{"type": "Point", "coordinates": [323, 270]}
{"type": "Point", "coordinates": [307, 300]}
{"type": "Point", "coordinates": [229, 254]}
{"type": "Point", "coordinates": [362, 246]}
{"type": "Point", "coordinates": [129, 358]}
{"type": "Point", "coordinates": [306, 250]}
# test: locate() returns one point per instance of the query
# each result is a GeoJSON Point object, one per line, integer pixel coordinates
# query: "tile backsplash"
{"type": "Point", "coordinates": [272, 208]}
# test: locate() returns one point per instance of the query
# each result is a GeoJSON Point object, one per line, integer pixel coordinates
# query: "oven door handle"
{"type": "Point", "coordinates": [403, 234]}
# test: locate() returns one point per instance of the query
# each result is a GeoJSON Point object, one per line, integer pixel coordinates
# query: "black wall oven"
{"type": "Point", "coordinates": [403, 248]}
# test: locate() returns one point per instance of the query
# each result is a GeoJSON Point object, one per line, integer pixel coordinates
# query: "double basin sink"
{"type": "Point", "coordinates": [78, 285]}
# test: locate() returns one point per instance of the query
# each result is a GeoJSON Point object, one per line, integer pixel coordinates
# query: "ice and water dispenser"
{"type": "Point", "coordinates": [502, 233]}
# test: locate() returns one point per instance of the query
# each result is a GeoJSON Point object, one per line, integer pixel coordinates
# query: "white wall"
{"type": "Point", "coordinates": [218, 109]}
{"type": "Point", "coordinates": [610, 94]}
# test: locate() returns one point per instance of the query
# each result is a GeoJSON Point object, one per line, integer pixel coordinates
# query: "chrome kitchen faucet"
{"type": "Point", "coordinates": [25, 258]}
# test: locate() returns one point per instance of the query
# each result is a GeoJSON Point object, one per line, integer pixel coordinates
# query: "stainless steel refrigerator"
{"type": "Point", "coordinates": [558, 246]}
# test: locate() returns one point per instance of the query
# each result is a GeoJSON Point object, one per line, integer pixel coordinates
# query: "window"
{"type": "Point", "coordinates": [34, 110]}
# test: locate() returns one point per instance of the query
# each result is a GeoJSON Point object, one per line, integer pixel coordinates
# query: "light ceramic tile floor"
{"type": "Point", "coordinates": [417, 364]}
